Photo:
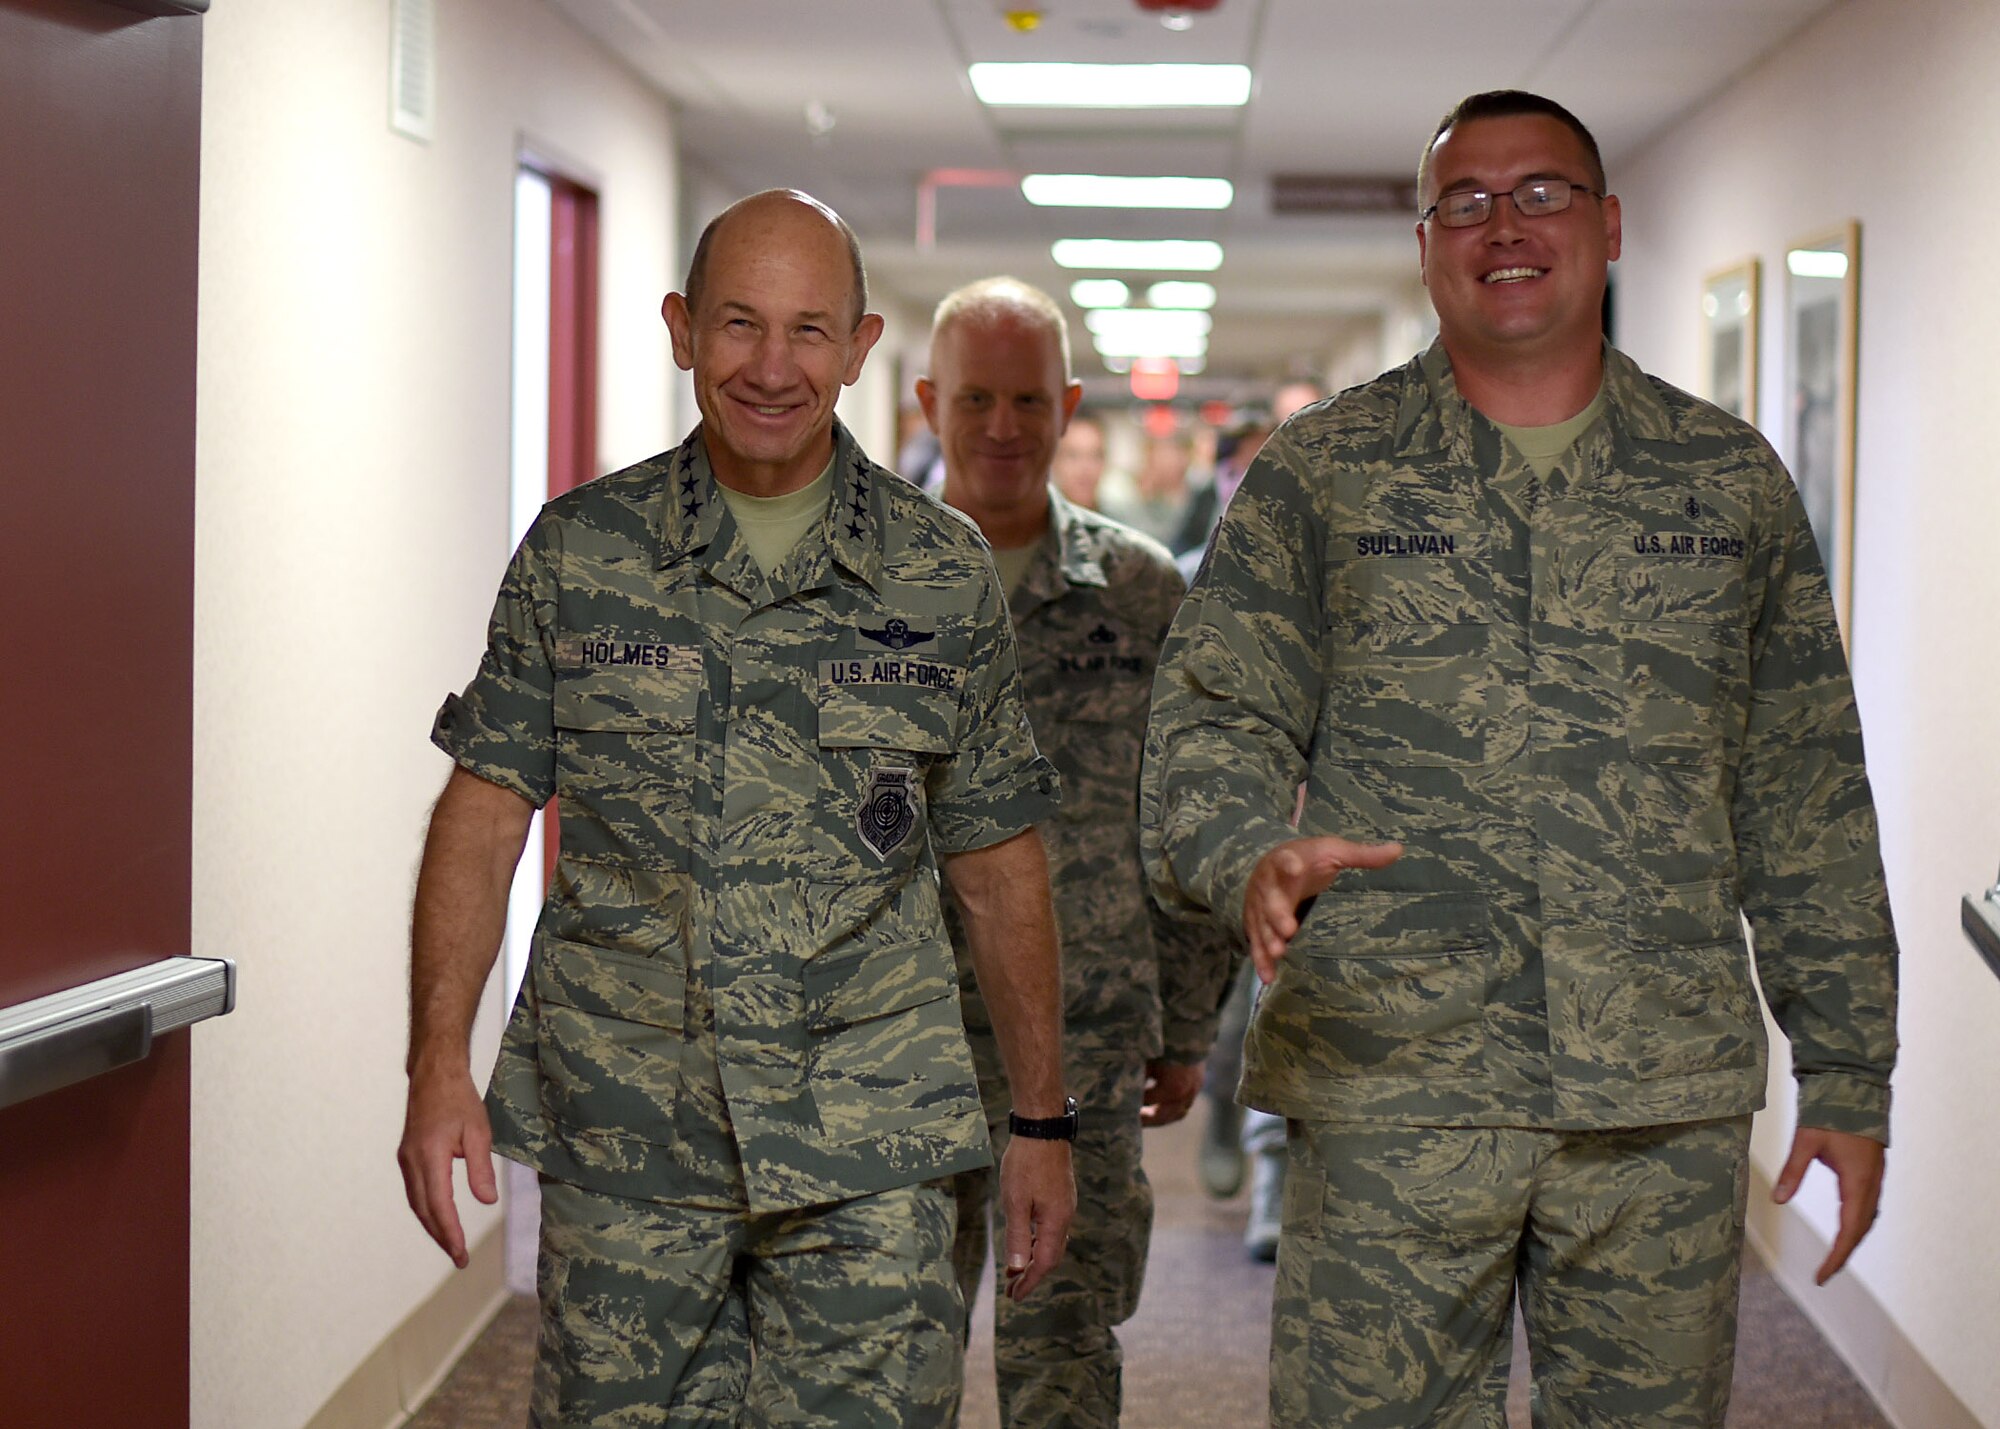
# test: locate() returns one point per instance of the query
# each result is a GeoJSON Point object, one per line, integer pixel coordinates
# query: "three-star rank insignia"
{"type": "Point", "coordinates": [897, 635]}
{"type": "Point", "coordinates": [888, 810]}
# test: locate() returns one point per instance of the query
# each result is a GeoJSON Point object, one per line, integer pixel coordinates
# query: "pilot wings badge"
{"type": "Point", "coordinates": [897, 635]}
{"type": "Point", "coordinates": [888, 810]}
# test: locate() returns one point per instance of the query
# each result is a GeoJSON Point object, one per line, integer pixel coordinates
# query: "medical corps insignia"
{"type": "Point", "coordinates": [888, 811]}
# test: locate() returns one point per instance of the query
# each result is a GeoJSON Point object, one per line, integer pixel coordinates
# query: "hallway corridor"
{"type": "Point", "coordinates": [1195, 1353]}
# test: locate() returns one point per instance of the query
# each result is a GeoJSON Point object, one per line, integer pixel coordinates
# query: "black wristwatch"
{"type": "Point", "coordinates": [1046, 1128]}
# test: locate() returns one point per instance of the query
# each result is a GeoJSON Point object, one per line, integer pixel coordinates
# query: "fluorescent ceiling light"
{"type": "Point", "coordinates": [1147, 332]}
{"type": "Point", "coordinates": [1105, 320]}
{"type": "Point", "coordinates": [1082, 86]}
{"type": "Point", "coordinates": [1816, 263]}
{"type": "Point", "coordinates": [1181, 294]}
{"type": "Point", "coordinates": [1116, 191]}
{"type": "Point", "coordinates": [1099, 293]}
{"type": "Point", "coordinates": [1170, 255]}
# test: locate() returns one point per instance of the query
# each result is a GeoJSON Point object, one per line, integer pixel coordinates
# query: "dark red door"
{"type": "Point", "coordinates": [100, 112]}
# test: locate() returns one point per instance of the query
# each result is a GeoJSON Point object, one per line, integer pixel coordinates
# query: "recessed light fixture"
{"type": "Point", "coordinates": [1125, 191]}
{"type": "Point", "coordinates": [1099, 293]}
{"type": "Point", "coordinates": [1092, 86]}
{"type": "Point", "coordinates": [1178, 293]}
{"type": "Point", "coordinates": [1164, 255]}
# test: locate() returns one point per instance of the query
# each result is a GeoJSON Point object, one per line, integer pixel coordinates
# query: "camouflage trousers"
{"type": "Point", "coordinates": [834, 1317]}
{"type": "Point", "coordinates": [1404, 1248]}
{"type": "Point", "coordinates": [1056, 1354]}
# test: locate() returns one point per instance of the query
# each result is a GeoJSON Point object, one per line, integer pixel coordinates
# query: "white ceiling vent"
{"type": "Point", "coordinates": [413, 67]}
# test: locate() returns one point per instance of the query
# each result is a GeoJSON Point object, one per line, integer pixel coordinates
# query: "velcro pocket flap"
{"type": "Point", "coordinates": [611, 984]}
{"type": "Point", "coordinates": [658, 694]}
{"type": "Point", "coordinates": [1684, 914]}
{"type": "Point", "coordinates": [1697, 592]}
{"type": "Point", "coordinates": [1397, 925]}
{"type": "Point", "coordinates": [914, 717]}
{"type": "Point", "coordinates": [870, 982]}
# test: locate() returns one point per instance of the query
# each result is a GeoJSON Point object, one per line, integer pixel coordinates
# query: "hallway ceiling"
{"type": "Point", "coordinates": [1342, 87]}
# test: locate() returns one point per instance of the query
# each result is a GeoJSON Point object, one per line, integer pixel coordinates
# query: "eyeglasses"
{"type": "Point", "coordinates": [1537, 198]}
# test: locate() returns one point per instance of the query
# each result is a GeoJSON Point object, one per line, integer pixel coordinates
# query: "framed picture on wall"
{"type": "Point", "coordinates": [1822, 316]}
{"type": "Point", "coordinates": [1729, 313]}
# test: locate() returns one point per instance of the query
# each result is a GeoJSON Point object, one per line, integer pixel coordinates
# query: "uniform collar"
{"type": "Point", "coordinates": [694, 518]}
{"type": "Point", "coordinates": [1066, 556]}
{"type": "Point", "coordinates": [1432, 416]}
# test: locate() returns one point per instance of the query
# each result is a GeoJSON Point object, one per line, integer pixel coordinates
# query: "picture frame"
{"type": "Point", "coordinates": [1822, 322]}
{"type": "Point", "coordinates": [1731, 311]}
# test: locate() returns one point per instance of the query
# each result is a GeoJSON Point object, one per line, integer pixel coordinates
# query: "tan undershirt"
{"type": "Point", "coordinates": [1013, 563]}
{"type": "Point", "coordinates": [1545, 446]}
{"type": "Point", "coordinates": [771, 526]}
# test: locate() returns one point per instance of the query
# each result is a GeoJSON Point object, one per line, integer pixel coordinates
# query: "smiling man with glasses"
{"type": "Point", "coordinates": [1548, 643]}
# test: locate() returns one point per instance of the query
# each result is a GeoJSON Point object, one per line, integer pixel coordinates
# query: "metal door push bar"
{"type": "Point", "coordinates": [76, 1034]}
{"type": "Point", "coordinates": [1979, 915]}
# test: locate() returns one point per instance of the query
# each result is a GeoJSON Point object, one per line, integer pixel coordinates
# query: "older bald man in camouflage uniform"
{"type": "Point", "coordinates": [1556, 637]}
{"type": "Point", "coordinates": [776, 690]}
{"type": "Point", "coordinates": [1091, 601]}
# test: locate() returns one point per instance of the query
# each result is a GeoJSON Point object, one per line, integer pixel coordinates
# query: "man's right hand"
{"type": "Point", "coordinates": [445, 1121]}
{"type": "Point", "coordinates": [1286, 877]}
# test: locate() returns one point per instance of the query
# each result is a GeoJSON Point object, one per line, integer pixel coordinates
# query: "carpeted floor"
{"type": "Point", "coordinates": [1195, 1352]}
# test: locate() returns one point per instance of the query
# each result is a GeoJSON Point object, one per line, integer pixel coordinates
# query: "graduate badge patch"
{"type": "Point", "coordinates": [888, 810]}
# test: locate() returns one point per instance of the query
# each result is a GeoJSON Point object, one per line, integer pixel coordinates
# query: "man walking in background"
{"type": "Point", "coordinates": [1549, 643]}
{"type": "Point", "coordinates": [775, 688]}
{"type": "Point", "coordinates": [1091, 601]}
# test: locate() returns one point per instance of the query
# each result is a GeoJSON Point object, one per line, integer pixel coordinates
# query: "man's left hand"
{"type": "Point", "coordinates": [1038, 1194]}
{"type": "Point", "coordinates": [1171, 1088]}
{"type": "Point", "coordinates": [1856, 1161]}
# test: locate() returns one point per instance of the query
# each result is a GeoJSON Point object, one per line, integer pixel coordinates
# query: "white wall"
{"type": "Point", "coordinates": [1886, 111]}
{"type": "Point", "coordinates": [351, 527]}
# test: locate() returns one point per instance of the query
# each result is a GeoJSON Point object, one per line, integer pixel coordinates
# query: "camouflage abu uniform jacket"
{"type": "Point", "coordinates": [1603, 712]}
{"type": "Point", "coordinates": [741, 992]}
{"type": "Point", "coordinates": [1090, 615]}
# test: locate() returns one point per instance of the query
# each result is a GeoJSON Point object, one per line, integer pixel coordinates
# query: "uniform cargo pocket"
{"type": "Point", "coordinates": [1388, 985]}
{"type": "Point", "coordinates": [1685, 661]}
{"type": "Point", "coordinates": [1411, 695]}
{"type": "Point", "coordinates": [1687, 1004]}
{"type": "Point", "coordinates": [608, 1037]}
{"type": "Point", "coordinates": [886, 1047]}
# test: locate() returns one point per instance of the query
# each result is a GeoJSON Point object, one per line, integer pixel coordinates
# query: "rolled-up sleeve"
{"type": "Point", "coordinates": [501, 727]}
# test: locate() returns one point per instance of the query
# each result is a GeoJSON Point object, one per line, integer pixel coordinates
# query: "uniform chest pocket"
{"type": "Point", "coordinates": [1684, 658]}
{"type": "Point", "coordinates": [877, 744]}
{"type": "Point", "coordinates": [1093, 731]}
{"type": "Point", "coordinates": [1409, 662]}
{"type": "Point", "coordinates": [625, 759]}
{"type": "Point", "coordinates": [1417, 694]}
